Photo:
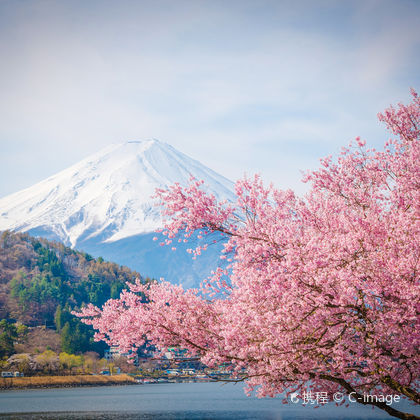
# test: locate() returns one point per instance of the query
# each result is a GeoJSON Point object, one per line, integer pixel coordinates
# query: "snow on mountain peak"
{"type": "Point", "coordinates": [106, 196]}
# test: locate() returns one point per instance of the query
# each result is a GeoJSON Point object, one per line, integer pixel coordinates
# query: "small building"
{"type": "Point", "coordinates": [175, 353]}
{"type": "Point", "coordinates": [114, 353]}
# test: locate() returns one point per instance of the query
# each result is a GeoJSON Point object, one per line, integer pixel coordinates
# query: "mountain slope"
{"type": "Point", "coordinates": [103, 205]}
{"type": "Point", "coordinates": [42, 281]}
{"type": "Point", "coordinates": [37, 275]}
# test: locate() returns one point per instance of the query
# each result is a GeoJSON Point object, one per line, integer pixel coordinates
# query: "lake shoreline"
{"type": "Point", "coordinates": [73, 381]}
{"type": "Point", "coordinates": [176, 401]}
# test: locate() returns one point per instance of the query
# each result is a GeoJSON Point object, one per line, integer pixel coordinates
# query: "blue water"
{"type": "Point", "coordinates": [167, 401]}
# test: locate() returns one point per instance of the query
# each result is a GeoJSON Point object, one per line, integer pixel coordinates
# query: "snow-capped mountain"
{"type": "Point", "coordinates": [103, 206]}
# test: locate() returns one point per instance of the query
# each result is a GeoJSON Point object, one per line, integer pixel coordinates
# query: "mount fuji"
{"type": "Point", "coordinates": [103, 205]}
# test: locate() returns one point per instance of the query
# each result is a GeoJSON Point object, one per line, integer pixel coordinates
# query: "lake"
{"type": "Point", "coordinates": [165, 401]}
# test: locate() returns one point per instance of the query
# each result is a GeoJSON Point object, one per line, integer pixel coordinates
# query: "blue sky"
{"type": "Point", "coordinates": [242, 86]}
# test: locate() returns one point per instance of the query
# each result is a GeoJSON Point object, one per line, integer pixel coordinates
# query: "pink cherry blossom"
{"type": "Point", "coordinates": [322, 291]}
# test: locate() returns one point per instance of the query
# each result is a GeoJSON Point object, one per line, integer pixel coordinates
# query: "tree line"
{"type": "Point", "coordinates": [42, 282]}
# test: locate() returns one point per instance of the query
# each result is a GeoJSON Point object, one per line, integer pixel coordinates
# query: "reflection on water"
{"type": "Point", "coordinates": [185, 415]}
{"type": "Point", "coordinates": [140, 416]}
{"type": "Point", "coordinates": [165, 401]}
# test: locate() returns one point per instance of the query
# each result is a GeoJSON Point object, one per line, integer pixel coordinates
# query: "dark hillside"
{"type": "Point", "coordinates": [42, 281]}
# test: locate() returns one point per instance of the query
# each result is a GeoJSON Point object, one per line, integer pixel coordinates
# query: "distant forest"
{"type": "Point", "coordinates": [42, 281]}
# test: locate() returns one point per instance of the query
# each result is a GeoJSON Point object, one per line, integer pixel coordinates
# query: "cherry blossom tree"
{"type": "Point", "coordinates": [320, 294]}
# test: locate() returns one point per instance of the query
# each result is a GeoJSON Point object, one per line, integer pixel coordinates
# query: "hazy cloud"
{"type": "Point", "coordinates": [243, 86]}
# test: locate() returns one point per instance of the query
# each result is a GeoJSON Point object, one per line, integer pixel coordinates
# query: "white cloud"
{"type": "Point", "coordinates": [242, 86]}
